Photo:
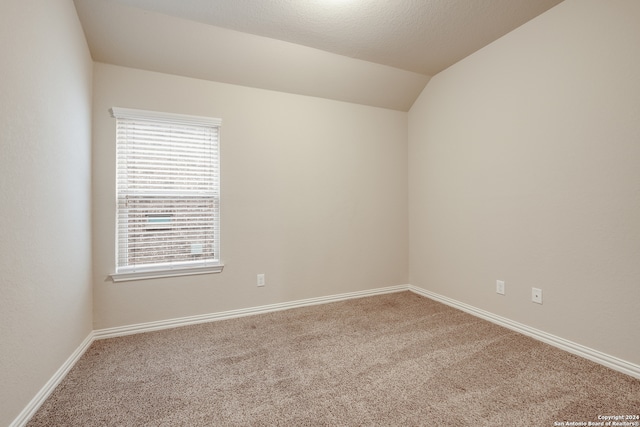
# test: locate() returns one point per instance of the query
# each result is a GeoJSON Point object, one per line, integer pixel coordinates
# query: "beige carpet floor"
{"type": "Point", "coordinates": [390, 360]}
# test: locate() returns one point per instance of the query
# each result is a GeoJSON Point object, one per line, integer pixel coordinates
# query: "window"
{"type": "Point", "coordinates": [168, 194]}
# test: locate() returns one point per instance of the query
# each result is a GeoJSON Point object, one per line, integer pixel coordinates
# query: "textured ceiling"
{"type": "Point", "coordinates": [424, 36]}
{"type": "Point", "coordinates": [403, 42]}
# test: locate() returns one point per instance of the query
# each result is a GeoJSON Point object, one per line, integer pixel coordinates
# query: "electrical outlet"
{"type": "Point", "coordinates": [536, 295]}
{"type": "Point", "coordinates": [500, 287]}
{"type": "Point", "coordinates": [261, 280]}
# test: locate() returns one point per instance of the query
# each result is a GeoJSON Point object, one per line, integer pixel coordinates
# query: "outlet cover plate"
{"type": "Point", "coordinates": [500, 287]}
{"type": "Point", "coordinates": [536, 295]}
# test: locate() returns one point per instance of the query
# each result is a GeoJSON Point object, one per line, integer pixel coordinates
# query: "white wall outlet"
{"type": "Point", "coordinates": [261, 280]}
{"type": "Point", "coordinates": [536, 295]}
{"type": "Point", "coordinates": [500, 287]}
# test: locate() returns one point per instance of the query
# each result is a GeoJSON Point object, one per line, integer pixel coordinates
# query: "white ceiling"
{"type": "Point", "coordinates": [374, 52]}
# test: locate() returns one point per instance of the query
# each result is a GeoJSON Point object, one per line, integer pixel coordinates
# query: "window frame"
{"type": "Point", "coordinates": [174, 268]}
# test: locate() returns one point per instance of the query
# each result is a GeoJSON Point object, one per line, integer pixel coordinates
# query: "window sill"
{"type": "Point", "coordinates": [158, 274]}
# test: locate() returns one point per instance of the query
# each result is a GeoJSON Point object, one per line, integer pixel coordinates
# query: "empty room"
{"type": "Point", "coordinates": [322, 212]}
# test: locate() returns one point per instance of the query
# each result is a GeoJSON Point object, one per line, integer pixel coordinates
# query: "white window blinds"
{"type": "Point", "coordinates": [168, 191]}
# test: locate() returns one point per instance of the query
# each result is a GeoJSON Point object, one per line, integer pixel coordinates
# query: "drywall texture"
{"type": "Point", "coordinates": [45, 207]}
{"type": "Point", "coordinates": [524, 167]}
{"type": "Point", "coordinates": [422, 36]}
{"type": "Point", "coordinates": [314, 195]}
{"type": "Point", "coordinates": [201, 51]}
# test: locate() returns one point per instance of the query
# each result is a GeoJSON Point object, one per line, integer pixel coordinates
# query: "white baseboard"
{"type": "Point", "coordinates": [204, 318]}
{"type": "Point", "coordinates": [571, 347]}
{"type": "Point", "coordinates": [48, 388]}
{"type": "Point", "coordinates": [561, 343]}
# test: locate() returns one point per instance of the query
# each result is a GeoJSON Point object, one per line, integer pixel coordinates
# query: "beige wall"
{"type": "Point", "coordinates": [525, 166]}
{"type": "Point", "coordinates": [314, 195]}
{"type": "Point", "coordinates": [45, 250]}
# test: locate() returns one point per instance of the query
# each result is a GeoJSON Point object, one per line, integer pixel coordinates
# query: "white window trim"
{"type": "Point", "coordinates": [171, 272]}
{"type": "Point", "coordinates": [130, 113]}
{"type": "Point", "coordinates": [175, 270]}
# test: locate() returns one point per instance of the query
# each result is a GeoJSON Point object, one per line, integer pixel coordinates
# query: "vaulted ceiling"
{"type": "Point", "coordinates": [374, 52]}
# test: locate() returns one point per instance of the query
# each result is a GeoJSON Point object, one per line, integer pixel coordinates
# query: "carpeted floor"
{"type": "Point", "coordinates": [390, 360]}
